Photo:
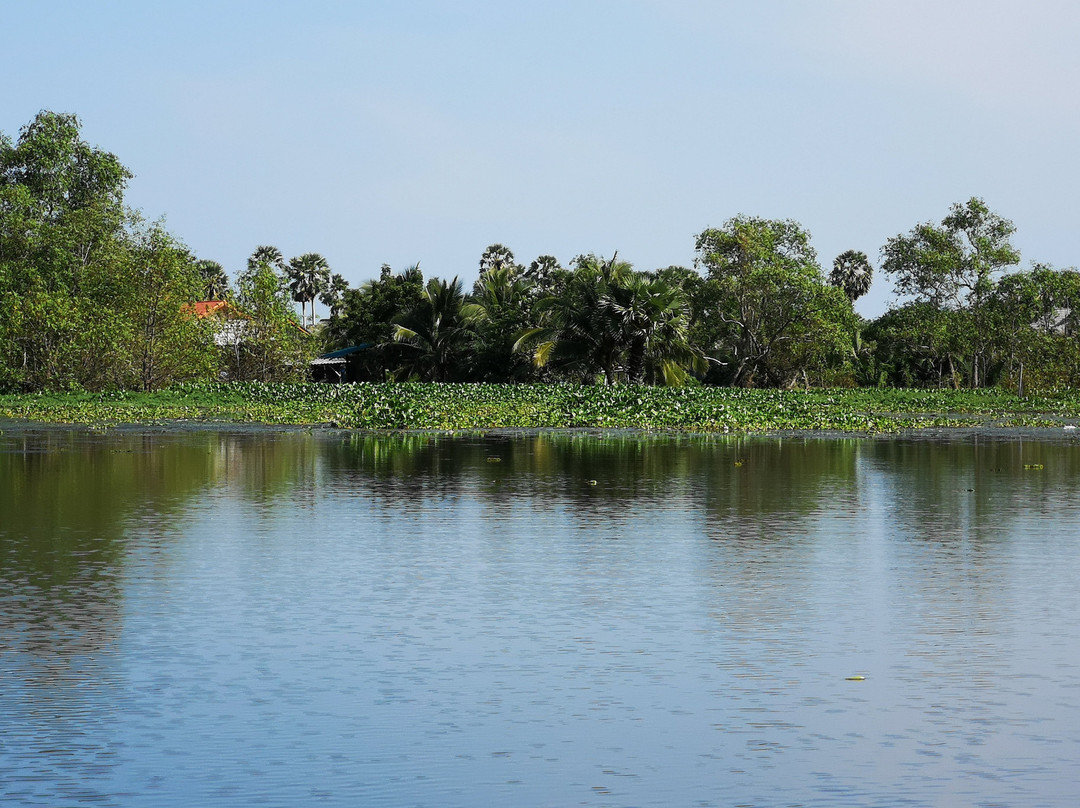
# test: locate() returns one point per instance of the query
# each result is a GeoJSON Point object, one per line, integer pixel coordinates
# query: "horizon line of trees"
{"type": "Point", "coordinates": [94, 297]}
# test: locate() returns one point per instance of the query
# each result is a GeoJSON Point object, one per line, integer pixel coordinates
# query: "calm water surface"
{"type": "Point", "coordinates": [291, 619]}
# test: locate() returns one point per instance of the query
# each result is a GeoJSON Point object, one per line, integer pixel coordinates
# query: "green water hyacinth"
{"type": "Point", "coordinates": [429, 406]}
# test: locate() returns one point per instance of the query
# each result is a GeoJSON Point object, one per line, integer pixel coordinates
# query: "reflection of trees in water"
{"type": "Point", "coordinates": [74, 501]}
{"type": "Point", "coordinates": [766, 505]}
{"type": "Point", "coordinates": [78, 511]}
{"type": "Point", "coordinates": [585, 469]}
{"type": "Point", "coordinates": [70, 502]}
{"type": "Point", "coordinates": [956, 510]}
{"type": "Point", "coordinates": [66, 499]}
{"type": "Point", "coordinates": [971, 489]}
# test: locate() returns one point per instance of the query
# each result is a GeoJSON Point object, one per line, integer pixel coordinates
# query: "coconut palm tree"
{"type": "Point", "coordinates": [578, 335]}
{"type": "Point", "coordinates": [615, 321]}
{"type": "Point", "coordinates": [437, 331]}
{"type": "Point", "coordinates": [504, 304]}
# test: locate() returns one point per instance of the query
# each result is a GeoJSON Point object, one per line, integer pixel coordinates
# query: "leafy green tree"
{"type": "Point", "coordinates": [272, 345]}
{"type": "Point", "coordinates": [366, 318]}
{"type": "Point", "coordinates": [163, 341]}
{"type": "Point", "coordinates": [62, 238]}
{"type": "Point", "coordinates": [775, 320]}
{"type": "Point", "coordinates": [60, 171]}
{"type": "Point", "coordinates": [918, 345]}
{"type": "Point", "coordinates": [954, 266]}
{"type": "Point", "coordinates": [437, 333]}
{"type": "Point", "coordinates": [1035, 317]}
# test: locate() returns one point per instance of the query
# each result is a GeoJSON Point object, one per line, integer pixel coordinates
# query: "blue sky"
{"type": "Point", "coordinates": [393, 132]}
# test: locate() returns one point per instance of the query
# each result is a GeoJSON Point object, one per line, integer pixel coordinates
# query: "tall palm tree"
{"type": "Point", "coordinates": [309, 275]}
{"type": "Point", "coordinates": [496, 256]}
{"type": "Point", "coordinates": [852, 273]}
{"type": "Point", "coordinates": [265, 255]}
{"type": "Point", "coordinates": [333, 295]}
{"type": "Point", "coordinates": [215, 282]}
{"type": "Point", "coordinates": [652, 319]}
{"type": "Point", "coordinates": [436, 331]}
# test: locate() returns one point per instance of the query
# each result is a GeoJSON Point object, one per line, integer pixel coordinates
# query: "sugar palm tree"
{"type": "Point", "coordinates": [215, 282]}
{"type": "Point", "coordinates": [309, 275]}
{"type": "Point", "coordinates": [266, 255]}
{"type": "Point", "coordinates": [333, 295]}
{"type": "Point", "coordinates": [652, 320]}
{"type": "Point", "coordinates": [852, 273]}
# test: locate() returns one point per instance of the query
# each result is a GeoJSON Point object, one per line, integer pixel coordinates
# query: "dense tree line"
{"type": "Point", "coordinates": [92, 296]}
{"type": "Point", "coordinates": [756, 310]}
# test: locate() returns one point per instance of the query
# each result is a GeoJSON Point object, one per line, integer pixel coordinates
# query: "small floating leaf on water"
{"type": "Point", "coordinates": [738, 464]}
{"type": "Point", "coordinates": [494, 459]}
{"type": "Point", "coordinates": [1033, 467]}
{"type": "Point", "coordinates": [592, 482]}
{"type": "Point", "coordinates": [856, 678]}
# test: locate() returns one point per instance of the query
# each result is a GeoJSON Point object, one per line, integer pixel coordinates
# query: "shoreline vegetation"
{"type": "Point", "coordinates": [93, 297]}
{"type": "Point", "coordinates": [488, 407]}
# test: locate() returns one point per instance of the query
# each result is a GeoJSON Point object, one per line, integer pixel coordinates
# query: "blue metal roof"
{"type": "Point", "coordinates": [338, 354]}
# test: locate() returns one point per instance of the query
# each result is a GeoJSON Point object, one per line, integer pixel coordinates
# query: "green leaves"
{"type": "Point", "coordinates": [418, 406]}
{"type": "Point", "coordinates": [773, 320]}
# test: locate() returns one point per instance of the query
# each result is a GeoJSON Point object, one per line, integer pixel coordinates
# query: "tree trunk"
{"type": "Point", "coordinates": [636, 366]}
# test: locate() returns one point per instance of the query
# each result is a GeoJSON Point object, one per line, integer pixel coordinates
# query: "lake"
{"type": "Point", "coordinates": [290, 618]}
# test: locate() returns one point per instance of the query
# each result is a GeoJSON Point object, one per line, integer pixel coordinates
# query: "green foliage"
{"type": "Point", "coordinates": [852, 273]}
{"type": "Point", "coordinates": [919, 345]}
{"type": "Point", "coordinates": [89, 297]}
{"type": "Point", "coordinates": [92, 298]}
{"type": "Point", "coordinates": [272, 346]}
{"type": "Point", "coordinates": [771, 319]}
{"type": "Point", "coordinates": [436, 333]}
{"type": "Point", "coordinates": [419, 406]}
{"type": "Point", "coordinates": [954, 267]}
{"type": "Point", "coordinates": [1034, 318]}
{"type": "Point", "coordinates": [162, 342]}
{"type": "Point", "coordinates": [366, 317]}
{"type": "Point", "coordinates": [503, 306]}
{"type": "Point", "coordinates": [215, 283]}
{"type": "Point", "coordinates": [612, 322]}
{"type": "Point", "coordinates": [309, 276]}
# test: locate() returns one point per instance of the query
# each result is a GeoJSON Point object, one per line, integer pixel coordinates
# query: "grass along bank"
{"type": "Point", "coordinates": [494, 406]}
